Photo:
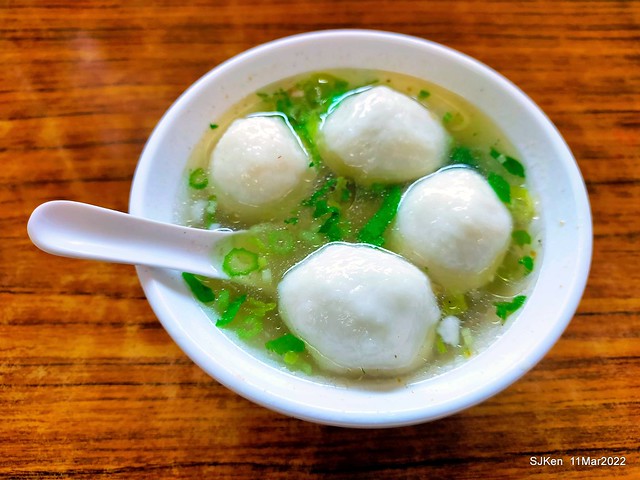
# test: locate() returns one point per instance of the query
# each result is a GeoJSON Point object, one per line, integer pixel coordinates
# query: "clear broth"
{"type": "Point", "coordinates": [467, 126]}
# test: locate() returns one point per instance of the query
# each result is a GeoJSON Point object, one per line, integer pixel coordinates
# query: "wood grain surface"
{"type": "Point", "coordinates": [90, 383]}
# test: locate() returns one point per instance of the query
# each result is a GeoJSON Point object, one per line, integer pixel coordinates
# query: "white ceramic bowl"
{"type": "Point", "coordinates": [552, 171]}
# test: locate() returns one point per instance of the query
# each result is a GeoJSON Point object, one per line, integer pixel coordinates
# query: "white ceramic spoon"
{"type": "Point", "coordinates": [78, 230]}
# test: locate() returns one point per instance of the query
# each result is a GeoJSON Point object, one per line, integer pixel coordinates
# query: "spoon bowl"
{"type": "Point", "coordinates": [552, 173]}
{"type": "Point", "coordinates": [79, 230]}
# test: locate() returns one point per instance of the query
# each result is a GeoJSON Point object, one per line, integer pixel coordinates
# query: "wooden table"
{"type": "Point", "coordinates": [90, 383]}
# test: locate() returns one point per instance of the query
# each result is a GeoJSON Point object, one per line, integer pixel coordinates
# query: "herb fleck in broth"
{"type": "Point", "coordinates": [336, 209]}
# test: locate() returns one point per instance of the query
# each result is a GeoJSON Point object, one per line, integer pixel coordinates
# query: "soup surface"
{"type": "Point", "coordinates": [334, 208]}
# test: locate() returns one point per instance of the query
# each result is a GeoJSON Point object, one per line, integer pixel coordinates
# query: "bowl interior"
{"type": "Point", "coordinates": [552, 173]}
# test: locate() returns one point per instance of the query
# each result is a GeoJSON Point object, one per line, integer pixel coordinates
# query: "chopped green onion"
{"type": "Point", "coordinates": [521, 206]}
{"type": "Point", "coordinates": [514, 167]}
{"type": "Point", "coordinates": [373, 231]}
{"type": "Point", "coordinates": [505, 309]}
{"type": "Point", "coordinates": [285, 343]}
{"type": "Point", "coordinates": [511, 165]}
{"type": "Point", "coordinates": [467, 341]}
{"type": "Point", "coordinates": [260, 308]}
{"type": "Point", "coordinates": [447, 117]}
{"type": "Point", "coordinates": [501, 187]}
{"type": "Point", "coordinates": [213, 126]}
{"type": "Point", "coordinates": [290, 358]}
{"type": "Point", "coordinates": [454, 304]}
{"type": "Point", "coordinates": [291, 220]}
{"type": "Point", "coordinates": [463, 155]}
{"type": "Point", "coordinates": [521, 237]}
{"type": "Point", "coordinates": [251, 326]}
{"type": "Point", "coordinates": [322, 207]}
{"type": "Point", "coordinates": [495, 153]}
{"type": "Point", "coordinates": [203, 293]}
{"type": "Point", "coordinates": [303, 105]}
{"type": "Point", "coordinates": [440, 345]}
{"type": "Point", "coordinates": [224, 298]}
{"type": "Point", "coordinates": [527, 263]}
{"type": "Point", "coordinates": [320, 193]}
{"type": "Point", "coordinates": [331, 228]}
{"type": "Point", "coordinates": [422, 94]}
{"type": "Point", "coordinates": [240, 261]}
{"type": "Point", "coordinates": [230, 313]}
{"type": "Point", "coordinates": [198, 179]}
{"type": "Point", "coordinates": [320, 90]}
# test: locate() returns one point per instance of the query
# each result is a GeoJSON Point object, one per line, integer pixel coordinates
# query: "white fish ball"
{"type": "Point", "coordinates": [360, 308]}
{"type": "Point", "coordinates": [453, 224]}
{"type": "Point", "coordinates": [381, 135]}
{"type": "Point", "coordinates": [259, 168]}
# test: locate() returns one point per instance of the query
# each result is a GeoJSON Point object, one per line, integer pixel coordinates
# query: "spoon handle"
{"type": "Point", "coordinates": [79, 230]}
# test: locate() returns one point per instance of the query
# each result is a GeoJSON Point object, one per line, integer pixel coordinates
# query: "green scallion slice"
{"type": "Point", "coordinates": [522, 206]}
{"type": "Point", "coordinates": [198, 179]}
{"type": "Point", "coordinates": [521, 237]}
{"type": "Point", "coordinates": [259, 308]}
{"type": "Point", "coordinates": [251, 326]}
{"type": "Point", "coordinates": [240, 261]}
{"type": "Point", "coordinates": [291, 358]}
{"type": "Point", "coordinates": [511, 165]}
{"type": "Point", "coordinates": [224, 299]}
{"type": "Point", "coordinates": [285, 343]}
{"type": "Point", "coordinates": [320, 193]}
{"type": "Point", "coordinates": [322, 207]}
{"type": "Point", "coordinates": [500, 186]}
{"type": "Point", "coordinates": [464, 156]}
{"type": "Point", "coordinates": [203, 293]}
{"type": "Point", "coordinates": [505, 309]}
{"type": "Point", "coordinates": [373, 231]}
{"type": "Point", "coordinates": [441, 347]}
{"type": "Point", "coordinates": [230, 313]}
{"type": "Point", "coordinates": [514, 167]}
{"type": "Point", "coordinates": [527, 263]}
{"type": "Point", "coordinates": [331, 228]}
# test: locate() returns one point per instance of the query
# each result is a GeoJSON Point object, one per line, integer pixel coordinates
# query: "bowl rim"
{"type": "Point", "coordinates": [279, 401]}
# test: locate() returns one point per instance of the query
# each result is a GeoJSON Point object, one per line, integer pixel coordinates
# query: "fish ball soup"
{"type": "Point", "coordinates": [386, 229]}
